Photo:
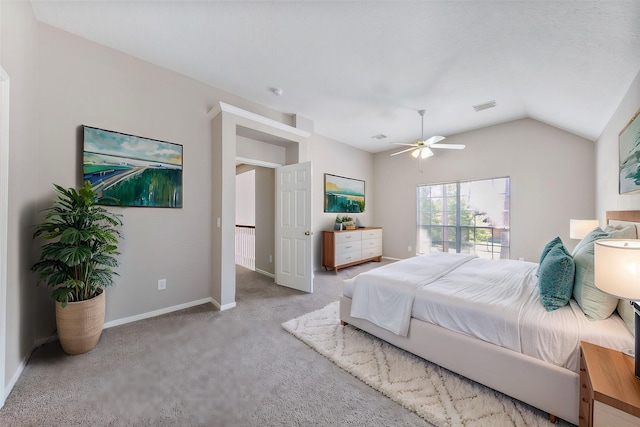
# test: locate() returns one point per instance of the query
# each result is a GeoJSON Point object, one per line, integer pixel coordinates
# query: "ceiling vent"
{"type": "Point", "coordinates": [379, 136]}
{"type": "Point", "coordinates": [484, 106]}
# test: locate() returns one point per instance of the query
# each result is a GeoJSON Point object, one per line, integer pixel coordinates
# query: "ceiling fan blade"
{"type": "Point", "coordinates": [449, 146]}
{"type": "Point", "coordinates": [404, 151]}
{"type": "Point", "coordinates": [434, 139]}
{"type": "Point", "coordinates": [400, 143]}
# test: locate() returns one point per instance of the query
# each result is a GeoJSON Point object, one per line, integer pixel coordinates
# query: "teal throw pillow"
{"type": "Point", "coordinates": [552, 243]}
{"type": "Point", "coordinates": [555, 278]}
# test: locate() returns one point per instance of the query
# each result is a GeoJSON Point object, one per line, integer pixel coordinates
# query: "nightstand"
{"type": "Point", "coordinates": [609, 390]}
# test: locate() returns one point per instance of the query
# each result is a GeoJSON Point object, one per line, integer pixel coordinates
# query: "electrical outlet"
{"type": "Point", "coordinates": [162, 284]}
{"type": "Point", "coordinates": [409, 248]}
{"type": "Point", "coordinates": [270, 258]}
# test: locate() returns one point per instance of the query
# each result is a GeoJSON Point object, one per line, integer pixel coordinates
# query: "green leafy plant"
{"type": "Point", "coordinates": [83, 244]}
{"type": "Point", "coordinates": [340, 220]}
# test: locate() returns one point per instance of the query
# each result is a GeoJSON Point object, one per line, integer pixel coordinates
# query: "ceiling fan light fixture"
{"type": "Point", "coordinates": [426, 152]}
{"type": "Point", "coordinates": [416, 153]}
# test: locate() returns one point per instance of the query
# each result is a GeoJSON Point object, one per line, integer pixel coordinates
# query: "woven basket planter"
{"type": "Point", "coordinates": [80, 324]}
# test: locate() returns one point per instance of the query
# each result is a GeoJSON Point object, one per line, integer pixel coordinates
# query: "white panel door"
{"type": "Point", "coordinates": [294, 238]}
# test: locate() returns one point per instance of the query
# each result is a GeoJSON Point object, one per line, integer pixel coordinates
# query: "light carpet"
{"type": "Point", "coordinates": [434, 393]}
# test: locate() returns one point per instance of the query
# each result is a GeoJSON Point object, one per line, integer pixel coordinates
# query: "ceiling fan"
{"type": "Point", "coordinates": [422, 149]}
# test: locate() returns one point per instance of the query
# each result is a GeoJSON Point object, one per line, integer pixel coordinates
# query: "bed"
{"type": "Point", "coordinates": [445, 308]}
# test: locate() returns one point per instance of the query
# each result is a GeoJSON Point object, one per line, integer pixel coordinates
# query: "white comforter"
{"type": "Point", "coordinates": [495, 301]}
{"type": "Point", "coordinates": [385, 296]}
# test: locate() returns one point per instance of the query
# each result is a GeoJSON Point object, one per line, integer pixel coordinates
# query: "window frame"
{"type": "Point", "coordinates": [500, 233]}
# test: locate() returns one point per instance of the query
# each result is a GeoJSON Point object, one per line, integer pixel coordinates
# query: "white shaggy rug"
{"type": "Point", "coordinates": [435, 394]}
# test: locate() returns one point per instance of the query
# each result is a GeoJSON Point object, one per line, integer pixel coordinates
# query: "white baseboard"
{"type": "Point", "coordinates": [155, 313]}
{"type": "Point", "coordinates": [16, 376]}
{"type": "Point", "coordinates": [23, 364]}
{"type": "Point", "coordinates": [265, 273]}
{"type": "Point", "coordinates": [217, 305]}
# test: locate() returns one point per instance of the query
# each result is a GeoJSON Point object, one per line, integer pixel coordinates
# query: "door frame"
{"type": "Point", "coordinates": [4, 220]}
{"type": "Point", "coordinates": [225, 121]}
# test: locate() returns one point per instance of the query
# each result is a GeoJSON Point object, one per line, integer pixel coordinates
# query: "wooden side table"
{"type": "Point", "coordinates": [609, 390]}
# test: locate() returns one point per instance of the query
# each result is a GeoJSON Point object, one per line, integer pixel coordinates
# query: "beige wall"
{"type": "Point", "coordinates": [551, 173]}
{"type": "Point", "coordinates": [607, 165]}
{"type": "Point", "coordinates": [333, 157]}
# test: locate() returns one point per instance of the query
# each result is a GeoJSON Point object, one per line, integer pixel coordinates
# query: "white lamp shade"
{"type": "Point", "coordinates": [416, 153]}
{"type": "Point", "coordinates": [617, 267]}
{"type": "Point", "coordinates": [578, 228]}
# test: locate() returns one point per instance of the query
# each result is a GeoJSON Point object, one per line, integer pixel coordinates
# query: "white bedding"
{"type": "Point", "coordinates": [385, 296]}
{"type": "Point", "coordinates": [495, 301]}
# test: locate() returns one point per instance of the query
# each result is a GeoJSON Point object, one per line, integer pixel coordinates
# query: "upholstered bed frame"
{"type": "Point", "coordinates": [540, 384]}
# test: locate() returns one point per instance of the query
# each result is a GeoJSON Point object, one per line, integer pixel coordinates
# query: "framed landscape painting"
{"type": "Point", "coordinates": [136, 171]}
{"type": "Point", "coordinates": [343, 195]}
{"type": "Point", "coordinates": [629, 145]}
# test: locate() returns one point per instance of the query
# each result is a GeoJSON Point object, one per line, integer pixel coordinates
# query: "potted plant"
{"type": "Point", "coordinates": [347, 223]}
{"type": "Point", "coordinates": [76, 262]}
{"type": "Point", "coordinates": [338, 225]}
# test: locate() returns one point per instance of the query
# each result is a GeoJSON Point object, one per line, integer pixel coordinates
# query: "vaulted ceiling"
{"type": "Point", "coordinates": [360, 69]}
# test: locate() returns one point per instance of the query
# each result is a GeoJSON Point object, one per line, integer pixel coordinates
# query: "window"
{"type": "Point", "coordinates": [465, 217]}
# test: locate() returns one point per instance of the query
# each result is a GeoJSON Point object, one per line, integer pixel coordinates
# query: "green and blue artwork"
{"type": "Point", "coordinates": [629, 144]}
{"type": "Point", "coordinates": [136, 171]}
{"type": "Point", "coordinates": [343, 194]}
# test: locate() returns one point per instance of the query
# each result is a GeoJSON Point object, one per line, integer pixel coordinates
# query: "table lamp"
{"type": "Point", "coordinates": [578, 228]}
{"type": "Point", "coordinates": [617, 272]}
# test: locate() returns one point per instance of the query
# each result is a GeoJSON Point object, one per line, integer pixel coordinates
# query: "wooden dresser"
{"type": "Point", "coordinates": [350, 247]}
{"type": "Point", "coordinates": [609, 390]}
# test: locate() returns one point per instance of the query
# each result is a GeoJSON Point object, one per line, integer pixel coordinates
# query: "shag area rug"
{"type": "Point", "coordinates": [441, 397]}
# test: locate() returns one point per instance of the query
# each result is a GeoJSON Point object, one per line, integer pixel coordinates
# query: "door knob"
{"type": "Point", "coordinates": [308, 233]}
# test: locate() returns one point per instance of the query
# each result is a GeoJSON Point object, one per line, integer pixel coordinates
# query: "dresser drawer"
{"type": "Point", "coordinates": [371, 252]}
{"type": "Point", "coordinates": [372, 234]}
{"type": "Point", "coordinates": [348, 236]}
{"type": "Point", "coordinates": [344, 248]}
{"type": "Point", "coordinates": [371, 243]}
{"type": "Point", "coordinates": [605, 416]}
{"type": "Point", "coordinates": [348, 257]}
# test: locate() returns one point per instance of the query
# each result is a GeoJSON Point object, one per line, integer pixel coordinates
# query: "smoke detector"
{"type": "Point", "coordinates": [276, 91]}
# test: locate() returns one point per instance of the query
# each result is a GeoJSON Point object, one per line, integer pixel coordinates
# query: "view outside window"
{"type": "Point", "coordinates": [465, 217]}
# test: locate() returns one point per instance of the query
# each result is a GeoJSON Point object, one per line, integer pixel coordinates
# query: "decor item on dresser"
{"type": "Point", "coordinates": [135, 170]}
{"type": "Point", "coordinates": [345, 248]}
{"type": "Point", "coordinates": [77, 263]}
{"type": "Point", "coordinates": [617, 272]}
{"type": "Point", "coordinates": [492, 309]}
{"type": "Point", "coordinates": [343, 195]}
{"type": "Point", "coordinates": [629, 155]}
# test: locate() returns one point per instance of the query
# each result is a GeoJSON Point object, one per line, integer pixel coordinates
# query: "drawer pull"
{"type": "Point", "coordinates": [348, 247]}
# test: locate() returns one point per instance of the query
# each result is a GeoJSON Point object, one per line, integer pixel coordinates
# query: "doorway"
{"type": "Point", "coordinates": [228, 123]}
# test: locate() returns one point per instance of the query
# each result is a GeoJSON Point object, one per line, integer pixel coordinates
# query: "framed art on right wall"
{"type": "Point", "coordinates": [629, 149]}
